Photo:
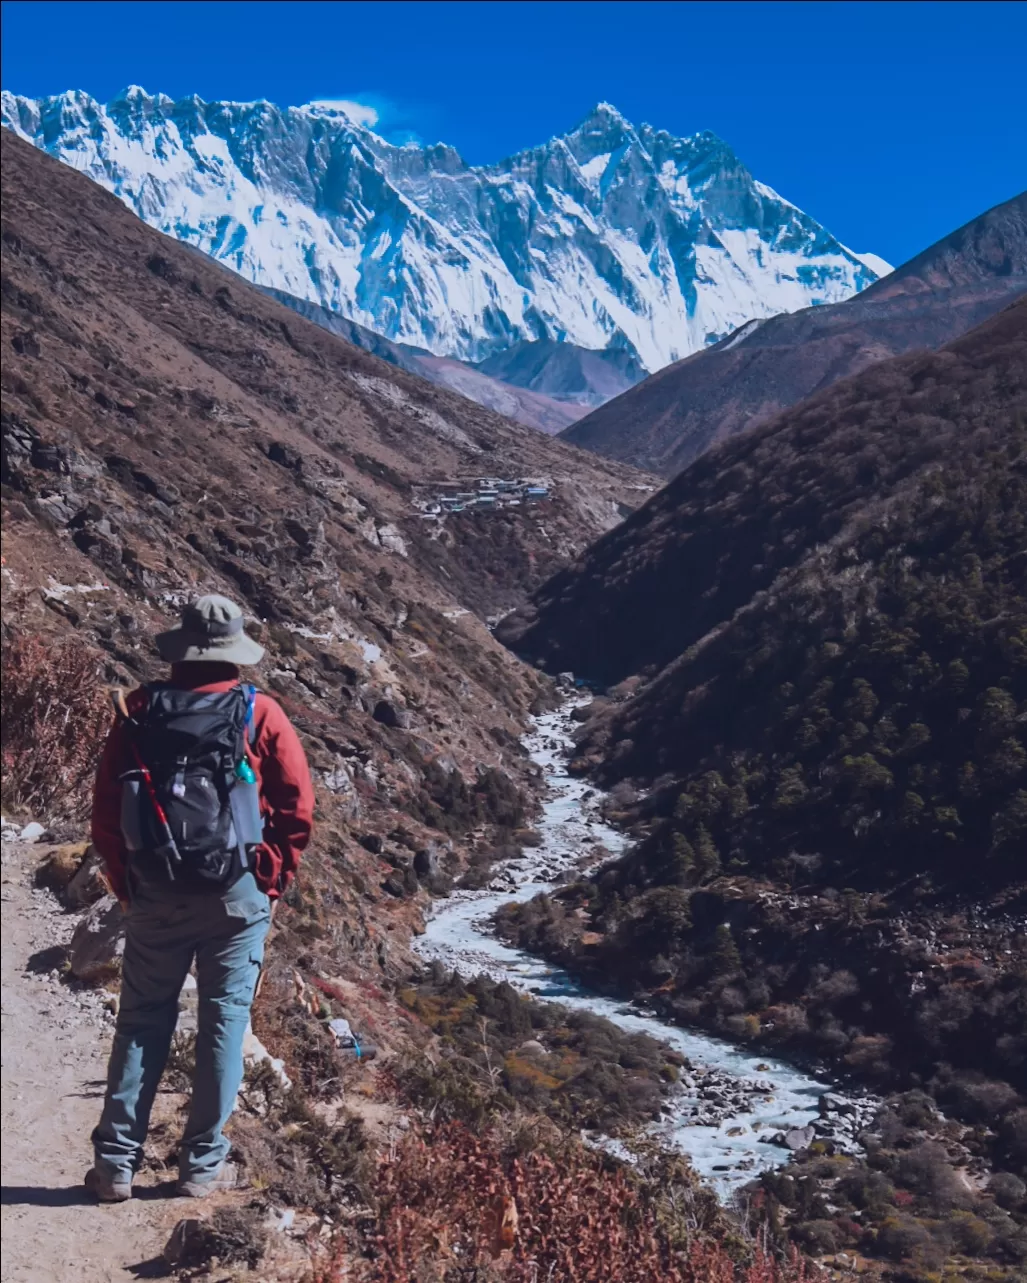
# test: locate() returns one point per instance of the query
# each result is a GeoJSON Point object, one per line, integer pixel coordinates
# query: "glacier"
{"type": "Point", "coordinates": [609, 237]}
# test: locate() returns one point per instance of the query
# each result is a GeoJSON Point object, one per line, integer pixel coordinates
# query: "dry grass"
{"type": "Point", "coordinates": [455, 1204]}
{"type": "Point", "coordinates": [55, 716]}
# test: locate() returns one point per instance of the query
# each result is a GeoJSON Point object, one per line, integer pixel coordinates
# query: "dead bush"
{"type": "Point", "coordinates": [55, 715]}
{"type": "Point", "coordinates": [181, 1063]}
{"type": "Point", "coordinates": [60, 866]}
{"type": "Point", "coordinates": [231, 1236]}
{"type": "Point", "coordinates": [456, 1203]}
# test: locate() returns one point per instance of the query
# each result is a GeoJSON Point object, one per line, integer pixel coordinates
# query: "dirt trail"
{"type": "Point", "coordinates": [55, 1045]}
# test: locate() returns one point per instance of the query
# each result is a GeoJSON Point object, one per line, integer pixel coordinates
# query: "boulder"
{"type": "Point", "coordinates": [98, 941]}
{"type": "Point", "coordinates": [829, 1104]}
{"type": "Point", "coordinates": [87, 884]}
{"type": "Point", "coordinates": [797, 1138]}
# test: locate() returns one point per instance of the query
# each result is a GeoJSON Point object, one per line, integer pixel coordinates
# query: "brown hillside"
{"type": "Point", "coordinates": [765, 367]}
{"type": "Point", "coordinates": [169, 429]}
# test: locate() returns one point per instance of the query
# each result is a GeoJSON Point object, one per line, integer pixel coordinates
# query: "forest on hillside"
{"type": "Point", "coordinates": [818, 737]}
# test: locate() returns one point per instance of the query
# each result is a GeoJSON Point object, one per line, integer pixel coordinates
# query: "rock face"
{"type": "Point", "coordinates": [390, 714]}
{"type": "Point", "coordinates": [609, 237]}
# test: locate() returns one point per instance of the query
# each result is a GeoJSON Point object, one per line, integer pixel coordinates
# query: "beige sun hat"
{"type": "Point", "coordinates": [211, 631]}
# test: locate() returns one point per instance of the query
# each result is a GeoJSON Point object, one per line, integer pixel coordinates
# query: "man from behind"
{"type": "Point", "coordinates": [203, 804]}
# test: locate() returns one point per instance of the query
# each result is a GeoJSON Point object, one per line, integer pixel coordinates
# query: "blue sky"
{"type": "Point", "coordinates": [891, 123]}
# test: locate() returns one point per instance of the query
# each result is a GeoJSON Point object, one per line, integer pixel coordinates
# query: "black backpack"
{"type": "Point", "coordinates": [190, 806]}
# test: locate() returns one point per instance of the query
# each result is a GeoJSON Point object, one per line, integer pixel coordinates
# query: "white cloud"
{"type": "Point", "coordinates": [360, 113]}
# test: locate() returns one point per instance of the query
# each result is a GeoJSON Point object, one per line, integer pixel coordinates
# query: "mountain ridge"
{"type": "Point", "coordinates": [767, 365]}
{"type": "Point", "coordinates": [607, 235]}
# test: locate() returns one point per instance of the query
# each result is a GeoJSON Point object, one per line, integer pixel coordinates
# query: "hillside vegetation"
{"type": "Point", "coordinates": [814, 651]}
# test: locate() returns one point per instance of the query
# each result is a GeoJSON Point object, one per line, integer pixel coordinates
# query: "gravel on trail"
{"type": "Point", "coordinates": [55, 1044]}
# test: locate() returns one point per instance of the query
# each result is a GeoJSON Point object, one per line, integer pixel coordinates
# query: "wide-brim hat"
{"type": "Point", "coordinates": [211, 631]}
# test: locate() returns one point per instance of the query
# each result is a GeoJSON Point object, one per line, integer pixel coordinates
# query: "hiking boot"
{"type": "Point", "coordinates": [107, 1188]}
{"type": "Point", "coordinates": [226, 1177]}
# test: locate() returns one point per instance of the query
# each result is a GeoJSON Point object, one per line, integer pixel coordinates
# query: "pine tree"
{"type": "Point", "coordinates": [726, 958]}
{"type": "Point", "coordinates": [707, 857]}
{"type": "Point", "coordinates": [682, 861]}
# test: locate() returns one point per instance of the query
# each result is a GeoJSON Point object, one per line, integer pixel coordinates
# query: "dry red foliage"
{"type": "Point", "coordinates": [55, 715]}
{"type": "Point", "coordinates": [452, 1206]}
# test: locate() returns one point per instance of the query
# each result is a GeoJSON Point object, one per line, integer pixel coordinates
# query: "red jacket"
{"type": "Point", "coordinates": [278, 761]}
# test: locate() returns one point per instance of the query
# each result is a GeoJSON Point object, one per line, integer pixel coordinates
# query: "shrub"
{"type": "Point", "coordinates": [232, 1235]}
{"type": "Point", "coordinates": [1007, 1190]}
{"type": "Point", "coordinates": [55, 715]}
{"type": "Point", "coordinates": [927, 1169]}
{"type": "Point", "coordinates": [455, 1203]}
{"type": "Point", "coordinates": [901, 1238]}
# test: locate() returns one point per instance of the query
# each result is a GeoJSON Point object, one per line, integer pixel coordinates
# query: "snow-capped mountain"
{"type": "Point", "coordinates": [609, 236]}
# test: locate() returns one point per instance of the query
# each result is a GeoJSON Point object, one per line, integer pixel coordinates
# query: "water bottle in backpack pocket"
{"type": "Point", "coordinates": [190, 806]}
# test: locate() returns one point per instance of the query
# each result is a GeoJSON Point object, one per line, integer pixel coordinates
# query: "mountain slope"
{"type": "Point", "coordinates": [815, 640]}
{"type": "Point", "coordinates": [569, 373]}
{"type": "Point", "coordinates": [607, 236]}
{"type": "Point", "coordinates": [766, 366]}
{"type": "Point", "coordinates": [517, 403]}
{"type": "Point", "coordinates": [167, 427]}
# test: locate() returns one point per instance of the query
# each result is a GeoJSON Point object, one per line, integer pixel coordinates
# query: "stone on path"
{"type": "Point", "coordinates": [98, 942]}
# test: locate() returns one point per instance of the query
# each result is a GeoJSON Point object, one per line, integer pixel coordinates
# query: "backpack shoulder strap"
{"type": "Point", "coordinates": [251, 721]}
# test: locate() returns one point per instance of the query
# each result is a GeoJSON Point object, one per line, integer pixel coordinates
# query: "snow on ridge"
{"type": "Point", "coordinates": [878, 265]}
{"type": "Point", "coordinates": [607, 235]}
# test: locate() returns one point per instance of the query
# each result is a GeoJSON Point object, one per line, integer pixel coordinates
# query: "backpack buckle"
{"type": "Point", "coordinates": [178, 784]}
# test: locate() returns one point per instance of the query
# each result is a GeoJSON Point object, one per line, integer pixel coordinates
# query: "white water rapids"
{"type": "Point", "coordinates": [773, 1096]}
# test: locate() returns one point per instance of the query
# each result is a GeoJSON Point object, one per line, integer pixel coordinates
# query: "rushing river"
{"type": "Point", "coordinates": [768, 1096]}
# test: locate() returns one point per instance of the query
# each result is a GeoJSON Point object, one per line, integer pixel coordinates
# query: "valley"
{"type": "Point", "coordinates": [811, 722]}
{"type": "Point", "coordinates": [732, 1109]}
{"type": "Point", "coordinates": [668, 844]}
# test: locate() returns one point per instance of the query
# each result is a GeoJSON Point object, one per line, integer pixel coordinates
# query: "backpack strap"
{"type": "Point", "coordinates": [251, 722]}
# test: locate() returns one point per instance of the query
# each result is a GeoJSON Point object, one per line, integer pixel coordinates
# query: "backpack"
{"type": "Point", "coordinates": [190, 805]}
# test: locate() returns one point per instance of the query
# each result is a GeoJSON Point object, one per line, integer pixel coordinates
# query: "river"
{"type": "Point", "coordinates": [731, 1098]}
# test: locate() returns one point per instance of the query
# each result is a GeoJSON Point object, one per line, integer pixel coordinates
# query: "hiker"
{"type": "Point", "coordinates": [203, 803]}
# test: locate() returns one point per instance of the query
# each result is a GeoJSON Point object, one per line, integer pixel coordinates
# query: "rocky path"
{"type": "Point", "coordinates": [55, 1044]}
